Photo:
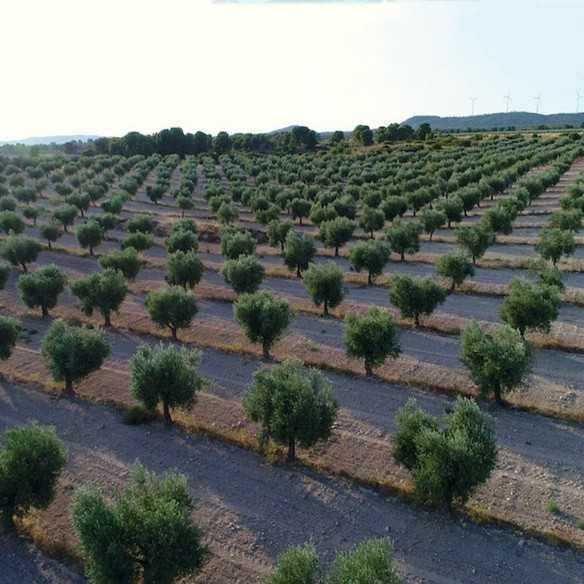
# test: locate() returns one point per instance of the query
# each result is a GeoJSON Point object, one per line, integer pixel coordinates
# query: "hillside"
{"type": "Point", "coordinates": [50, 139]}
{"type": "Point", "coordinates": [519, 120]}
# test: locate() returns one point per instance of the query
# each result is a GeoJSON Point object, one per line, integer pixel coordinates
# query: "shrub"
{"type": "Point", "coordinates": [145, 533]}
{"type": "Point", "coordinates": [299, 252]}
{"type": "Point", "coordinates": [456, 267]}
{"type": "Point", "coordinates": [371, 337]}
{"type": "Point", "coordinates": [184, 269]}
{"type": "Point", "coordinates": [447, 465]}
{"type": "Point", "coordinates": [30, 464]}
{"type": "Point", "coordinates": [90, 235]}
{"type": "Point", "coordinates": [371, 256]}
{"type": "Point", "coordinates": [173, 307]}
{"type": "Point", "coordinates": [167, 375]}
{"type": "Point", "coordinates": [297, 565]}
{"type": "Point", "coordinates": [20, 250]}
{"type": "Point", "coordinates": [245, 274]}
{"type": "Point", "coordinates": [415, 296]}
{"type": "Point", "coordinates": [325, 285]}
{"type": "Point", "coordinates": [530, 306]}
{"type": "Point", "coordinates": [72, 353]}
{"type": "Point", "coordinates": [42, 288]}
{"type": "Point", "coordinates": [9, 331]}
{"type": "Point", "coordinates": [104, 291]}
{"type": "Point", "coordinates": [404, 237]}
{"type": "Point", "coordinates": [127, 262]}
{"type": "Point", "coordinates": [292, 404]}
{"type": "Point", "coordinates": [498, 362]}
{"type": "Point", "coordinates": [263, 318]}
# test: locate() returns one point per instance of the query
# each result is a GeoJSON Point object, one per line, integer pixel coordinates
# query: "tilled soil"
{"type": "Point", "coordinates": [253, 510]}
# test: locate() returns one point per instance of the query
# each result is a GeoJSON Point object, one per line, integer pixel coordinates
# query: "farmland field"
{"type": "Point", "coordinates": [254, 506]}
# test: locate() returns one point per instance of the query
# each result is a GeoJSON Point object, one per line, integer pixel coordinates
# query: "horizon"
{"type": "Point", "coordinates": [368, 62]}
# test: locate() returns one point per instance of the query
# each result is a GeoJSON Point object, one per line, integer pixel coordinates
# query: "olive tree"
{"type": "Point", "coordinates": [140, 224]}
{"type": "Point", "coordinates": [415, 296]}
{"type": "Point", "coordinates": [126, 261]}
{"type": "Point", "coordinates": [182, 240]}
{"type": "Point", "coordinates": [145, 533]}
{"type": "Point", "coordinates": [300, 209]}
{"type": "Point", "coordinates": [404, 237]}
{"type": "Point", "coordinates": [453, 208]}
{"type": "Point", "coordinates": [167, 375]}
{"type": "Point", "coordinates": [42, 288]}
{"type": "Point", "coordinates": [104, 291]}
{"type": "Point", "coordinates": [475, 240]}
{"type": "Point", "coordinates": [278, 231]}
{"type": "Point", "coordinates": [530, 306]}
{"type": "Point", "coordinates": [294, 405]}
{"type": "Point", "coordinates": [325, 285]}
{"type": "Point", "coordinates": [336, 233]}
{"type": "Point", "coordinates": [72, 353]}
{"type": "Point", "coordinates": [50, 232]}
{"type": "Point", "coordinates": [172, 307]}
{"type": "Point", "coordinates": [498, 362]}
{"type": "Point", "coordinates": [9, 331]}
{"type": "Point", "coordinates": [263, 318]}
{"type": "Point", "coordinates": [90, 235]}
{"type": "Point", "coordinates": [237, 243]}
{"type": "Point", "coordinates": [432, 219]}
{"type": "Point", "coordinates": [554, 243]}
{"type": "Point", "coordinates": [31, 462]}
{"type": "Point", "coordinates": [372, 337]}
{"type": "Point", "coordinates": [456, 267]}
{"type": "Point", "coordinates": [567, 220]}
{"type": "Point", "coordinates": [244, 274]}
{"type": "Point", "coordinates": [185, 269]}
{"type": "Point", "coordinates": [299, 252]}
{"type": "Point", "coordinates": [65, 215]}
{"type": "Point", "coordinates": [138, 241]}
{"type": "Point", "coordinates": [369, 255]}
{"type": "Point", "coordinates": [20, 250]}
{"type": "Point", "coordinates": [371, 220]}
{"type": "Point", "coordinates": [11, 222]}
{"type": "Point", "coordinates": [447, 463]}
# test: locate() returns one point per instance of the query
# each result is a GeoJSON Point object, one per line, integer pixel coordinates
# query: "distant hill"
{"type": "Point", "coordinates": [50, 139]}
{"type": "Point", "coordinates": [520, 120]}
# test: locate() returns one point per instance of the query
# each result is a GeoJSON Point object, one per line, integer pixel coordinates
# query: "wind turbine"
{"type": "Point", "coordinates": [473, 100]}
{"type": "Point", "coordinates": [537, 99]}
{"type": "Point", "coordinates": [507, 99]}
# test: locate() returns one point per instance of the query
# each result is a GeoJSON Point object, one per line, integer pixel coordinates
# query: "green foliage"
{"type": "Point", "coordinates": [236, 243]}
{"type": "Point", "coordinates": [263, 318]}
{"type": "Point", "coordinates": [145, 534]}
{"type": "Point", "coordinates": [447, 464]}
{"type": "Point", "coordinates": [336, 233]}
{"type": "Point", "coordinates": [432, 219]}
{"type": "Point", "coordinates": [371, 562]}
{"type": "Point", "coordinates": [245, 274]}
{"type": "Point", "coordinates": [567, 220]}
{"type": "Point", "coordinates": [11, 222]}
{"type": "Point", "coordinates": [551, 277]}
{"type": "Point", "coordinates": [394, 207]}
{"type": "Point", "coordinates": [184, 225]}
{"type": "Point", "coordinates": [371, 220]}
{"type": "Point", "coordinates": [297, 565]}
{"type": "Point", "coordinates": [324, 283]}
{"type": "Point", "coordinates": [554, 243]}
{"type": "Point", "coordinates": [499, 220]}
{"type": "Point", "coordinates": [300, 209]}
{"type": "Point", "coordinates": [65, 215]}
{"type": "Point", "coordinates": [227, 214]}
{"type": "Point", "coordinates": [127, 262]}
{"type": "Point", "coordinates": [104, 291]}
{"type": "Point", "coordinates": [184, 269]}
{"type": "Point", "coordinates": [299, 251]}
{"type": "Point", "coordinates": [138, 241]}
{"type": "Point", "coordinates": [371, 256]}
{"type": "Point", "coordinates": [371, 337]}
{"type": "Point", "coordinates": [453, 208]}
{"type": "Point", "coordinates": [415, 296]}
{"type": "Point", "coordinates": [404, 237]}
{"type": "Point", "coordinates": [456, 267]}
{"type": "Point", "coordinates": [20, 250]}
{"type": "Point", "coordinates": [4, 275]}
{"type": "Point", "coordinates": [50, 232]}
{"type": "Point", "coordinates": [140, 223]}
{"type": "Point", "coordinates": [182, 240]}
{"type": "Point", "coordinates": [475, 240]}
{"type": "Point", "coordinates": [292, 404]}
{"type": "Point", "coordinates": [172, 307]}
{"type": "Point", "coordinates": [9, 331]}
{"type": "Point", "coordinates": [530, 306]}
{"type": "Point", "coordinates": [498, 362]}
{"type": "Point", "coordinates": [42, 288]}
{"type": "Point", "coordinates": [167, 375]}
{"type": "Point", "coordinates": [277, 232]}
{"type": "Point", "coordinates": [72, 353]}
{"type": "Point", "coordinates": [30, 464]}
{"type": "Point", "coordinates": [90, 235]}
{"type": "Point", "coordinates": [108, 221]}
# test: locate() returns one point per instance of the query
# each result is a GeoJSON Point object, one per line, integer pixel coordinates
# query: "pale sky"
{"type": "Point", "coordinates": [109, 67]}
